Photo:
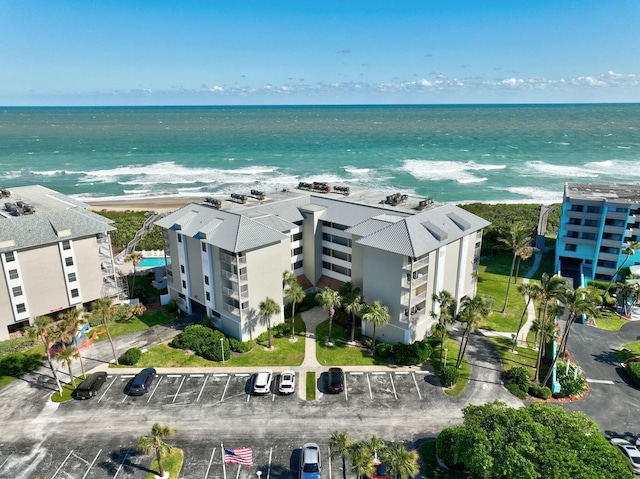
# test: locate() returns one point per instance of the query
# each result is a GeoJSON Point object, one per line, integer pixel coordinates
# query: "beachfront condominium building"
{"type": "Point", "coordinates": [224, 257]}
{"type": "Point", "coordinates": [55, 254]}
{"type": "Point", "coordinates": [597, 224]}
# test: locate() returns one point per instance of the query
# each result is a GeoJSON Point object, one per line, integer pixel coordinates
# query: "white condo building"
{"type": "Point", "coordinates": [224, 257]}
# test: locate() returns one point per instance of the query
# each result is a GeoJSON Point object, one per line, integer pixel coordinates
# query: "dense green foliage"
{"type": "Point", "coordinates": [15, 345]}
{"type": "Point", "coordinates": [127, 224]}
{"type": "Point", "coordinates": [570, 387]}
{"type": "Point", "coordinates": [131, 357]}
{"type": "Point", "coordinates": [633, 371]}
{"type": "Point", "coordinates": [516, 380]}
{"type": "Point", "coordinates": [449, 376]}
{"type": "Point", "coordinates": [499, 442]}
{"type": "Point", "coordinates": [504, 216]}
{"type": "Point", "coordinates": [412, 354]}
{"type": "Point", "coordinates": [17, 364]}
{"type": "Point", "coordinates": [203, 341]}
{"type": "Point", "coordinates": [541, 392]}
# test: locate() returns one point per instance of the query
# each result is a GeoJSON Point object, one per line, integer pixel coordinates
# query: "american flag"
{"type": "Point", "coordinates": [238, 455]}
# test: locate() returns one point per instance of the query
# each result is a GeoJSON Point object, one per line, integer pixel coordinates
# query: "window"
{"type": "Point", "coordinates": [204, 247]}
{"type": "Point", "coordinates": [341, 255]}
{"type": "Point", "coordinates": [75, 293]}
{"type": "Point", "coordinates": [297, 251]}
{"type": "Point", "coordinates": [179, 238]}
{"type": "Point", "coordinates": [21, 308]}
{"type": "Point", "coordinates": [13, 274]}
{"type": "Point", "coordinates": [68, 261]}
{"type": "Point", "coordinates": [206, 279]}
{"type": "Point", "coordinates": [207, 295]}
{"type": "Point", "coordinates": [71, 277]}
{"type": "Point", "coordinates": [9, 257]}
{"type": "Point", "coordinates": [297, 265]}
{"type": "Point", "coordinates": [182, 268]}
{"type": "Point", "coordinates": [182, 296]}
{"type": "Point", "coordinates": [326, 265]}
{"type": "Point", "coordinates": [570, 247]}
{"type": "Point", "coordinates": [184, 284]}
{"type": "Point", "coordinates": [66, 245]}
{"type": "Point", "coordinates": [17, 291]}
{"type": "Point", "coordinates": [326, 251]}
{"type": "Point", "coordinates": [297, 237]}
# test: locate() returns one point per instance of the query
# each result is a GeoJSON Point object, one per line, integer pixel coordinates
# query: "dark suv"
{"type": "Point", "coordinates": [335, 379]}
{"type": "Point", "coordinates": [142, 381]}
{"type": "Point", "coordinates": [90, 386]}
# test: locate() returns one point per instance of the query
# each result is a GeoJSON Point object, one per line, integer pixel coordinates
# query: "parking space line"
{"type": "Point", "coordinates": [127, 376]}
{"type": "Point", "coordinates": [225, 388]}
{"type": "Point", "coordinates": [92, 463]}
{"type": "Point", "coordinates": [329, 448]}
{"type": "Point", "coordinates": [81, 458]}
{"type": "Point", "coordinates": [63, 462]}
{"type": "Point", "coordinates": [121, 463]}
{"type": "Point", "coordinates": [377, 373]}
{"type": "Point", "coordinates": [356, 373]}
{"type": "Point", "coordinates": [421, 372]}
{"type": "Point", "coordinates": [108, 387]}
{"type": "Point", "coordinates": [155, 389]}
{"type": "Point", "coordinates": [178, 391]}
{"type": "Point", "coordinates": [219, 375]}
{"type": "Point", "coordinates": [242, 375]}
{"type": "Point", "coordinates": [196, 375]}
{"type": "Point", "coordinates": [174, 375]}
{"type": "Point", "coordinates": [401, 372]}
{"type": "Point", "coordinates": [369, 383]}
{"type": "Point", "coordinates": [206, 474]}
{"type": "Point", "coordinates": [393, 386]}
{"type": "Point", "coordinates": [600, 381]}
{"type": "Point", "coordinates": [415, 381]}
{"type": "Point", "coordinates": [346, 396]}
{"type": "Point", "coordinates": [202, 388]}
{"type": "Point", "coordinates": [269, 466]}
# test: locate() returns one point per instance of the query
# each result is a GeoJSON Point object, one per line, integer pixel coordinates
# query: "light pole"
{"type": "Point", "coordinates": [445, 356]}
{"type": "Point", "coordinates": [259, 473]}
{"type": "Point", "coordinates": [222, 351]}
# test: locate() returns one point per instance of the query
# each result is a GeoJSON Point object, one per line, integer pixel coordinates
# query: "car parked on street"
{"type": "Point", "coordinates": [335, 379]}
{"type": "Point", "coordinates": [310, 463]}
{"type": "Point", "coordinates": [142, 381]}
{"type": "Point", "coordinates": [629, 451]}
{"type": "Point", "coordinates": [262, 383]}
{"type": "Point", "coordinates": [91, 385]}
{"type": "Point", "coordinates": [287, 383]}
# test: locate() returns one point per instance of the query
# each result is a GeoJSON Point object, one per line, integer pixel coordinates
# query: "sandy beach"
{"type": "Point", "coordinates": [159, 205]}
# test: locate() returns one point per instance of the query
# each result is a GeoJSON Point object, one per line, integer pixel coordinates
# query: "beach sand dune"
{"type": "Point", "coordinates": [159, 205]}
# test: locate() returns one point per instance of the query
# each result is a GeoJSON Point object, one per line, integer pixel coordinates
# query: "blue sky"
{"type": "Point", "coordinates": [245, 52]}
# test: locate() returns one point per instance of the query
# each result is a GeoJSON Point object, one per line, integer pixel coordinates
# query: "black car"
{"type": "Point", "coordinates": [141, 383]}
{"type": "Point", "coordinates": [90, 386]}
{"type": "Point", "coordinates": [335, 380]}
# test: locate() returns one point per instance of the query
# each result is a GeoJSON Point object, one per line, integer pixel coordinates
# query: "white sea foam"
{"type": "Point", "coordinates": [541, 168]}
{"type": "Point", "coordinates": [458, 171]}
{"type": "Point", "coordinates": [532, 195]}
{"type": "Point", "coordinates": [356, 171]}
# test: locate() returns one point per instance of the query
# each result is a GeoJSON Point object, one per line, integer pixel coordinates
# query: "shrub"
{"type": "Point", "coordinates": [570, 387]}
{"type": "Point", "coordinates": [263, 337]}
{"type": "Point", "coordinates": [207, 322]}
{"type": "Point", "coordinates": [423, 350]}
{"type": "Point", "coordinates": [131, 357]}
{"type": "Point", "coordinates": [518, 376]}
{"type": "Point", "coordinates": [449, 376]}
{"type": "Point", "coordinates": [281, 329]}
{"type": "Point", "coordinates": [15, 345]}
{"type": "Point", "coordinates": [239, 346]}
{"type": "Point", "coordinates": [384, 350]}
{"type": "Point", "coordinates": [411, 354]}
{"type": "Point", "coordinates": [203, 341]}
{"type": "Point", "coordinates": [444, 443]}
{"type": "Point", "coordinates": [17, 364]}
{"type": "Point", "coordinates": [516, 391]}
{"type": "Point", "coordinates": [633, 371]}
{"type": "Point", "coordinates": [538, 391]}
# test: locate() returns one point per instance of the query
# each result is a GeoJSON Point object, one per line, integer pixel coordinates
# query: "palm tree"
{"type": "Point", "coordinates": [447, 312]}
{"type": "Point", "coordinates": [295, 294]}
{"type": "Point", "coordinates": [518, 239]}
{"type": "Point", "coordinates": [268, 308]}
{"type": "Point", "coordinates": [72, 319]}
{"type": "Point", "coordinates": [474, 311]}
{"type": "Point", "coordinates": [362, 460]}
{"type": "Point", "coordinates": [135, 259]}
{"type": "Point", "coordinates": [340, 444]}
{"type": "Point", "coordinates": [155, 443]}
{"type": "Point", "coordinates": [329, 300]}
{"type": "Point", "coordinates": [353, 305]}
{"type": "Point", "coordinates": [67, 354]}
{"type": "Point", "coordinates": [582, 301]}
{"type": "Point", "coordinates": [104, 308]}
{"type": "Point", "coordinates": [288, 278]}
{"type": "Point", "coordinates": [552, 290]}
{"type": "Point", "coordinates": [532, 292]}
{"type": "Point", "coordinates": [524, 254]}
{"type": "Point", "coordinates": [402, 463]}
{"type": "Point", "coordinates": [378, 315]}
{"type": "Point", "coordinates": [40, 330]}
{"type": "Point", "coordinates": [629, 249]}
{"type": "Point", "coordinates": [626, 290]}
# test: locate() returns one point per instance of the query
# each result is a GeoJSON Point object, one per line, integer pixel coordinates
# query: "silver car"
{"type": "Point", "coordinates": [310, 465]}
{"type": "Point", "coordinates": [629, 451]}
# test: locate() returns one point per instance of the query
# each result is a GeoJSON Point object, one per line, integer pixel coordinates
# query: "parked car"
{"type": "Point", "coordinates": [262, 384]}
{"type": "Point", "coordinates": [335, 378]}
{"type": "Point", "coordinates": [310, 465]}
{"type": "Point", "coordinates": [91, 385]}
{"type": "Point", "coordinates": [287, 382]}
{"type": "Point", "coordinates": [629, 451]}
{"type": "Point", "coordinates": [142, 381]}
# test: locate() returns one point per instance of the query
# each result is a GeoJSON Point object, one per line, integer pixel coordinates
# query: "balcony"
{"type": "Point", "coordinates": [226, 258]}
{"type": "Point", "coordinates": [415, 299]}
{"type": "Point", "coordinates": [234, 277]}
{"type": "Point", "coordinates": [235, 294]}
{"type": "Point", "coordinates": [415, 282]}
{"type": "Point", "coordinates": [416, 264]}
{"type": "Point", "coordinates": [231, 309]}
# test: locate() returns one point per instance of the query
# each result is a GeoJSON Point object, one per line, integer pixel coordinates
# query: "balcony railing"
{"type": "Point", "coordinates": [233, 277]}
{"type": "Point", "coordinates": [235, 294]}
{"type": "Point", "coordinates": [416, 264]}
{"type": "Point", "coordinates": [227, 258]}
{"type": "Point", "coordinates": [415, 299]}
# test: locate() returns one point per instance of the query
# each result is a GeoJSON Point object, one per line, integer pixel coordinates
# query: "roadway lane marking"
{"type": "Point", "coordinates": [600, 381]}
{"type": "Point", "coordinates": [202, 389]}
{"type": "Point", "coordinates": [63, 462]}
{"type": "Point", "coordinates": [393, 386]}
{"type": "Point", "coordinates": [206, 474]}
{"type": "Point", "coordinates": [92, 463]}
{"type": "Point", "coordinates": [417, 387]}
{"type": "Point", "coordinates": [178, 391]}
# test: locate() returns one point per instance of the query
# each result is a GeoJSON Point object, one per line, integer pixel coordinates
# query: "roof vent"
{"type": "Point", "coordinates": [436, 232]}
{"type": "Point", "coordinates": [213, 202]}
{"type": "Point", "coordinates": [396, 199]}
{"type": "Point", "coordinates": [238, 198]}
{"type": "Point", "coordinates": [257, 194]}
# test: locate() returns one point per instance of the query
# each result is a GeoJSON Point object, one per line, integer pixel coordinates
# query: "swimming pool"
{"type": "Point", "coordinates": [151, 262]}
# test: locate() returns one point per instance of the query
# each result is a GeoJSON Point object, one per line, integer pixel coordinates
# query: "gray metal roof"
{"type": "Point", "coordinates": [344, 212]}
{"type": "Point", "coordinates": [628, 193]}
{"type": "Point", "coordinates": [369, 226]}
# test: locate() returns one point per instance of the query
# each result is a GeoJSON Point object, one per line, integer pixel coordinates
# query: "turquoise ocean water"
{"type": "Point", "coordinates": [451, 153]}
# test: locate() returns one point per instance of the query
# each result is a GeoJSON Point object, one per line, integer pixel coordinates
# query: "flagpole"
{"type": "Point", "coordinates": [224, 467]}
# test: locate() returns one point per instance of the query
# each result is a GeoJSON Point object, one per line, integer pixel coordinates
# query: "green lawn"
{"type": "Point", "coordinates": [150, 318]}
{"type": "Point", "coordinates": [341, 354]}
{"type": "Point", "coordinates": [171, 463]}
{"type": "Point", "coordinates": [311, 386]}
{"type": "Point", "coordinates": [610, 321]}
{"type": "Point", "coordinates": [525, 357]}
{"type": "Point", "coordinates": [633, 350]}
{"type": "Point", "coordinates": [68, 391]}
{"type": "Point", "coordinates": [284, 353]}
{"type": "Point", "coordinates": [36, 359]}
{"type": "Point", "coordinates": [453, 348]}
{"type": "Point", "coordinates": [495, 284]}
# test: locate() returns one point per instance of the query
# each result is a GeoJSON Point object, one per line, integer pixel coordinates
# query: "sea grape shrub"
{"type": "Point", "coordinates": [240, 346]}
{"type": "Point", "coordinates": [633, 371]}
{"type": "Point", "coordinates": [517, 380]}
{"type": "Point", "coordinates": [412, 354]}
{"type": "Point", "coordinates": [541, 392]}
{"type": "Point", "coordinates": [449, 376]}
{"type": "Point", "coordinates": [131, 357]}
{"type": "Point", "coordinates": [203, 341]}
{"type": "Point", "coordinates": [384, 350]}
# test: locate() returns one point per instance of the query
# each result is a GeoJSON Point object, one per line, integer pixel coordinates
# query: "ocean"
{"type": "Point", "coordinates": [497, 154]}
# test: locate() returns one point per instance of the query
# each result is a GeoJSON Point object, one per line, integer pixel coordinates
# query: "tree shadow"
{"type": "Point", "coordinates": [606, 357]}
{"type": "Point", "coordinates": [120, 459]}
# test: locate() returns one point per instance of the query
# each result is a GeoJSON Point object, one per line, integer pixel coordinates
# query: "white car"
{"type": "Point", "coordinates": [262, 384]}
{"type": "Point", "coordinates": [630, 452]}
{"type": "Point", "coordinates": [287, 382]}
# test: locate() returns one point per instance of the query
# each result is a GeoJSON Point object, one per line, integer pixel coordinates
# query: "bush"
{"type": "Point", "coordinates": [449, 376]}
{"type": "Point", "coordinates": [384, 350]}
{"type": "Point", "coordinates": [203, 341]}
{"type": "Point", "coordinates": [538, 391]}
{"type": "Point", "coordinates": [15, 345]}
{"type": "Point", "coordinates": [516, 391]}
{"type": "Point", "coordinates": [131, 357]}
{"type": "Point", "coordinates": [518, 376]}
{"type": "Point", "coordinates": [281, 329]}
{"type": "Point", "coordinates": [17, 364]}
{"type": "Point", "coordinates": [239, 346]}
{"type": "Point", "coordinates": [570, 387]}
{"type": "Point", "coordinates": [444, 443]}
{"type": "Point", "coordinates": [207, 322]}
{"type": "Point", "coordinates": [633, 371]}
{"type": "Point", "coordinates": [412, 354]}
